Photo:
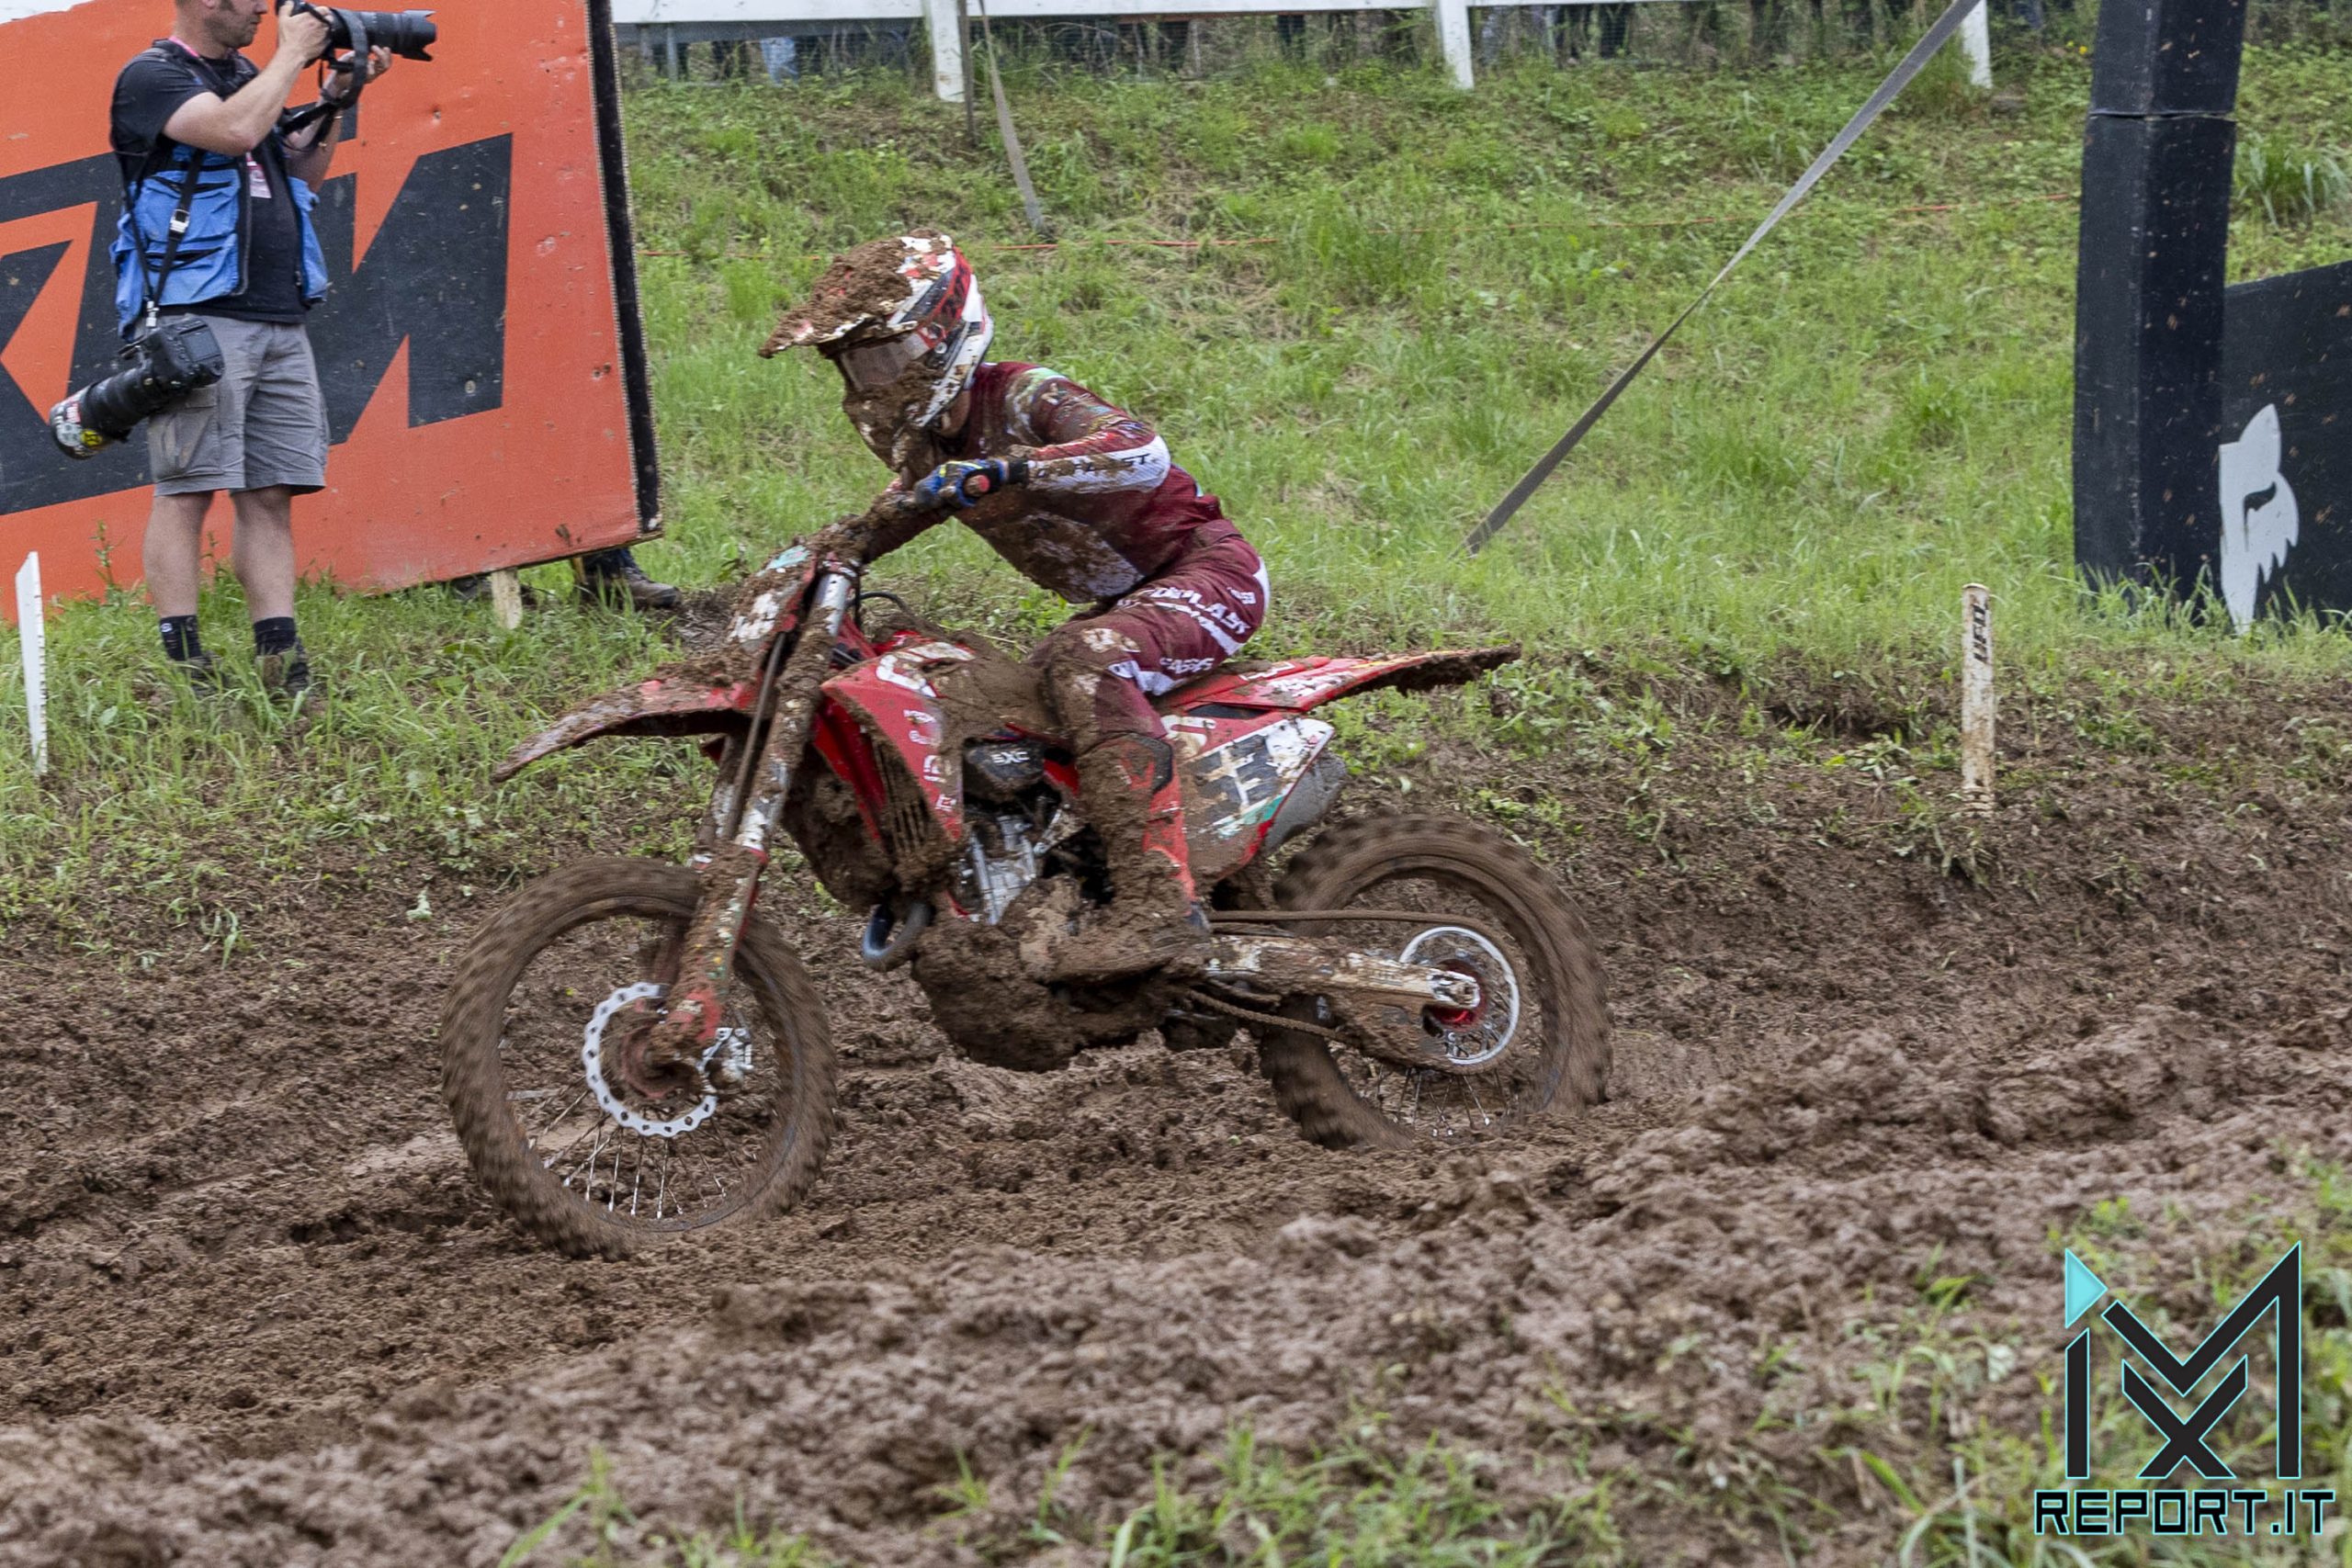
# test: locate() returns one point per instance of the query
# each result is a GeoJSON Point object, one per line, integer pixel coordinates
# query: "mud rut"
{"type": "Point", "coordinates": [259, 1313]}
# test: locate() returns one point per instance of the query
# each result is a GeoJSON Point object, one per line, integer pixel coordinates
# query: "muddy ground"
{"type": "Point", "coordinates": [260, 1316]}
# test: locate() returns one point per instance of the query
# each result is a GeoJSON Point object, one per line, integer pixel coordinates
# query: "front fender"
{"type": "Point", "coordinates": [666, 706]}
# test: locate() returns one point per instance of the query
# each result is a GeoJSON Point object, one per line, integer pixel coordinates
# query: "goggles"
{"type": "Point", "coordinates": [870, 367]}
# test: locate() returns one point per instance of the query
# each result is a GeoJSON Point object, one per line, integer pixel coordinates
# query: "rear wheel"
{"type": "Point", "coordinates": [1479, 904]}
{"type": "Point", "coordinates": [566, 1128]}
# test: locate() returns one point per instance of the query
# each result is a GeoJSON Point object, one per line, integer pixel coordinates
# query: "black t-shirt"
{"type": "Point", "coordinates": [148, 92]}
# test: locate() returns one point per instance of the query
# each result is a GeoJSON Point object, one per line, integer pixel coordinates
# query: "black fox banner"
{"type": "Point", "coordinates": [480, 344]}
{"type": "Point", "coordinates": [2209, 421]}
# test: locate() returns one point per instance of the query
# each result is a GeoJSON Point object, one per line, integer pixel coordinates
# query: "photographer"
{"type": "Point", "coordinates": [217, 224]}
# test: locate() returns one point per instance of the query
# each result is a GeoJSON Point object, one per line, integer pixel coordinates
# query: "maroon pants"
{"type": "Point", "coordinates": [1103, 668]}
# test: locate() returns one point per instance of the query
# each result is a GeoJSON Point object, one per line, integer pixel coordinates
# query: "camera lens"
{"type": "Point", "coordinates": [163, 367]}
{"type": "Point", "coordinates": [115, 406]}
{"type": "Point", "coordinates": [406, 33]}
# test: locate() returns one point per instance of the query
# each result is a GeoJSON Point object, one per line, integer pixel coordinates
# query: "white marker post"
{"type": "Point", "coordinates": [506, 598]}
{"type": "Point", "coordinates": [30, 637]}
{"type": "Point", "coordinates": [944, 21]}
{"type": "Point", "coordinates": [1976, 699]}
{"type": "Point", "coordinates": [1454, 39]}
{"type": "Point", "coordinates": [1976, 42]}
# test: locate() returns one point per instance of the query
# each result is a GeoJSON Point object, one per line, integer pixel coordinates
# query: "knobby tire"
{"type": "Point", "coordinates": [474, 1083]}
{"type": "Point", "coordinates": [1572, 1059]}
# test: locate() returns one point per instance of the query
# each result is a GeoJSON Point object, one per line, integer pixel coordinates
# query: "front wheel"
{"type": "Point", "coordinates": [563, 1124]}
{"type": "Point", "coordinates": [1541, 1032]}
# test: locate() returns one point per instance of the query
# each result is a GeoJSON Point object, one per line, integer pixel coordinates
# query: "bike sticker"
{"type": "Point", "coordinates": [756, 623]}
{"type": "Point", "coordinates": [1242, 783]}
{"type": "Point", "coordinates": [900, 672]}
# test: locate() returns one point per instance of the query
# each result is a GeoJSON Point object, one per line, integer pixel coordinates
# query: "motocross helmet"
{"type": "Point", "coordinates": [902, 320]}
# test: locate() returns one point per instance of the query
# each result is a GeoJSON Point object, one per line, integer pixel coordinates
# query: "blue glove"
{"type": "Point", "coordinates": [952, 486]}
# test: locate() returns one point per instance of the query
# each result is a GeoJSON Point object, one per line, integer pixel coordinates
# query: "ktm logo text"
{"type": "Point", "coordinates": [434, 277]}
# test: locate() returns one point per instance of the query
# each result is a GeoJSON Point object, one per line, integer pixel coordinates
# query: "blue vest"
{"type": "Point", "coordinates": [211, 260]}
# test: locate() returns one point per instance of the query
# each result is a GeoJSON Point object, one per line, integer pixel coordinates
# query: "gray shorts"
{"type": "Point", "coordinates": [263, 423]}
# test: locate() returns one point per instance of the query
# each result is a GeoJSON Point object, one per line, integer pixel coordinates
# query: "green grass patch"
{"type": "Point", "coordinates": [1875, 411]}
{"type": "Point", "coordinates": [1360, 1501]}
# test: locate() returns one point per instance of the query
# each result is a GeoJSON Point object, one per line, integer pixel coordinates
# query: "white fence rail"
{"type": "Point", "coordinates": [686, 21]}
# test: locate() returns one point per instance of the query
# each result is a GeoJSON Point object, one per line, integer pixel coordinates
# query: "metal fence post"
{"type": "Point", "coordinates": [945, 22]}
{"type": "Point", "coordinates": [1454, 39]}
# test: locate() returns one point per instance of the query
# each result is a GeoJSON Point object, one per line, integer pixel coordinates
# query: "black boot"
{"type": "Point", "coordinates": [285, 675]}
{"type": "Point", "coordinates": [614, 577]}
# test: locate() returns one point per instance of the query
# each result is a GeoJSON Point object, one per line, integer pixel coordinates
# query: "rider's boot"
{"type": "Point", "coordinates": [1128, 788]}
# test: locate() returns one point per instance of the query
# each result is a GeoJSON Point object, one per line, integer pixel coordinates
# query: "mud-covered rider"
{"type": "Point", "coordinates": [1084, 499]}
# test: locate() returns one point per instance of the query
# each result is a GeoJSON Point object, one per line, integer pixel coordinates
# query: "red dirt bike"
{"type": "Point", "coordinates": [631, 1050]}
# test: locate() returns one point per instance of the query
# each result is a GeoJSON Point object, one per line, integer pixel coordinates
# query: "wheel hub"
{"type": "Point", "coordinates": [620, 1078]}
{"type": "Point", "coordinates": [1470, 1036]}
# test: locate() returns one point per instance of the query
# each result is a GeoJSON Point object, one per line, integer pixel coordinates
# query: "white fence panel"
{"type": "Point", "coordinates": [686, 21]}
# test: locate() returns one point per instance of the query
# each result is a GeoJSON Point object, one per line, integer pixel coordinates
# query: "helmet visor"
{"type": "Point", "coordinates": [872, 366]}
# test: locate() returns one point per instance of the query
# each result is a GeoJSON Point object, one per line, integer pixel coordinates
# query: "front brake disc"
{"type": "Point", "coordinates": [728, 1060]}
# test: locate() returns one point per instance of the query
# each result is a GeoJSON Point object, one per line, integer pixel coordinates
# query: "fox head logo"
{"type": "Point", "coordinates": [2258, 518]}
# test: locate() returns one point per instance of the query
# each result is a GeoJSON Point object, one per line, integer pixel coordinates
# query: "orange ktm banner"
{"type": "Point", "coordinates": [480, 347]}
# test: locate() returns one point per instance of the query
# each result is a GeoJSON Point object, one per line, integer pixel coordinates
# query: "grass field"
{"type": "Point", "coordinates": [1875, 413]}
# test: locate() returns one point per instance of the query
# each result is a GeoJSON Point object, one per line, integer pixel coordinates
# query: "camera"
{"type": "Point", "coordinates": [176, 357]}
{"type": "Point", "coordinates": [406, 33]}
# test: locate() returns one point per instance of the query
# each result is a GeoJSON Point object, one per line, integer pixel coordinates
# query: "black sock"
{"type": "Point", "coordinates": [180, 642]}
{"type": "Point", "coordinates": [275, 634]}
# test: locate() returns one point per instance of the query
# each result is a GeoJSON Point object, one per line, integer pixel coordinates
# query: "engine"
{"type": "Point", "coordinates": [1017, 819]}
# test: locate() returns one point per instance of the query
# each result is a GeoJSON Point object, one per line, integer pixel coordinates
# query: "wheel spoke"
{"type": "Point", "coordinates": [551, 1123]}
{"type": "Point", "coordinates": [598, 1149]}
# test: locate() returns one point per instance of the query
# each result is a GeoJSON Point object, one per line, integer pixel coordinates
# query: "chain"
{"type": "Point", "coordinates": [1263, 1020]}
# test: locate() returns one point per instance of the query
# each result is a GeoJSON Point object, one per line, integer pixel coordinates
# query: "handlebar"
{"type": "Point", "coordinates": [853, 537]}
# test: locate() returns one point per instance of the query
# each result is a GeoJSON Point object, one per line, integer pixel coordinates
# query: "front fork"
{"type": "Point", "coordinates": [736, 852]}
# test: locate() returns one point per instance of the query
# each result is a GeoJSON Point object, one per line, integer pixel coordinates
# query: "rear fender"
{"type": "Point", "coordinates": [664, 705]}
{"type": "Point", "coordinates": [1296, 685]}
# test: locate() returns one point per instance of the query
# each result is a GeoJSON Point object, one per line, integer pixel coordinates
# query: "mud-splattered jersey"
{"type": "Point", "coordinates": [1104, 509]}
